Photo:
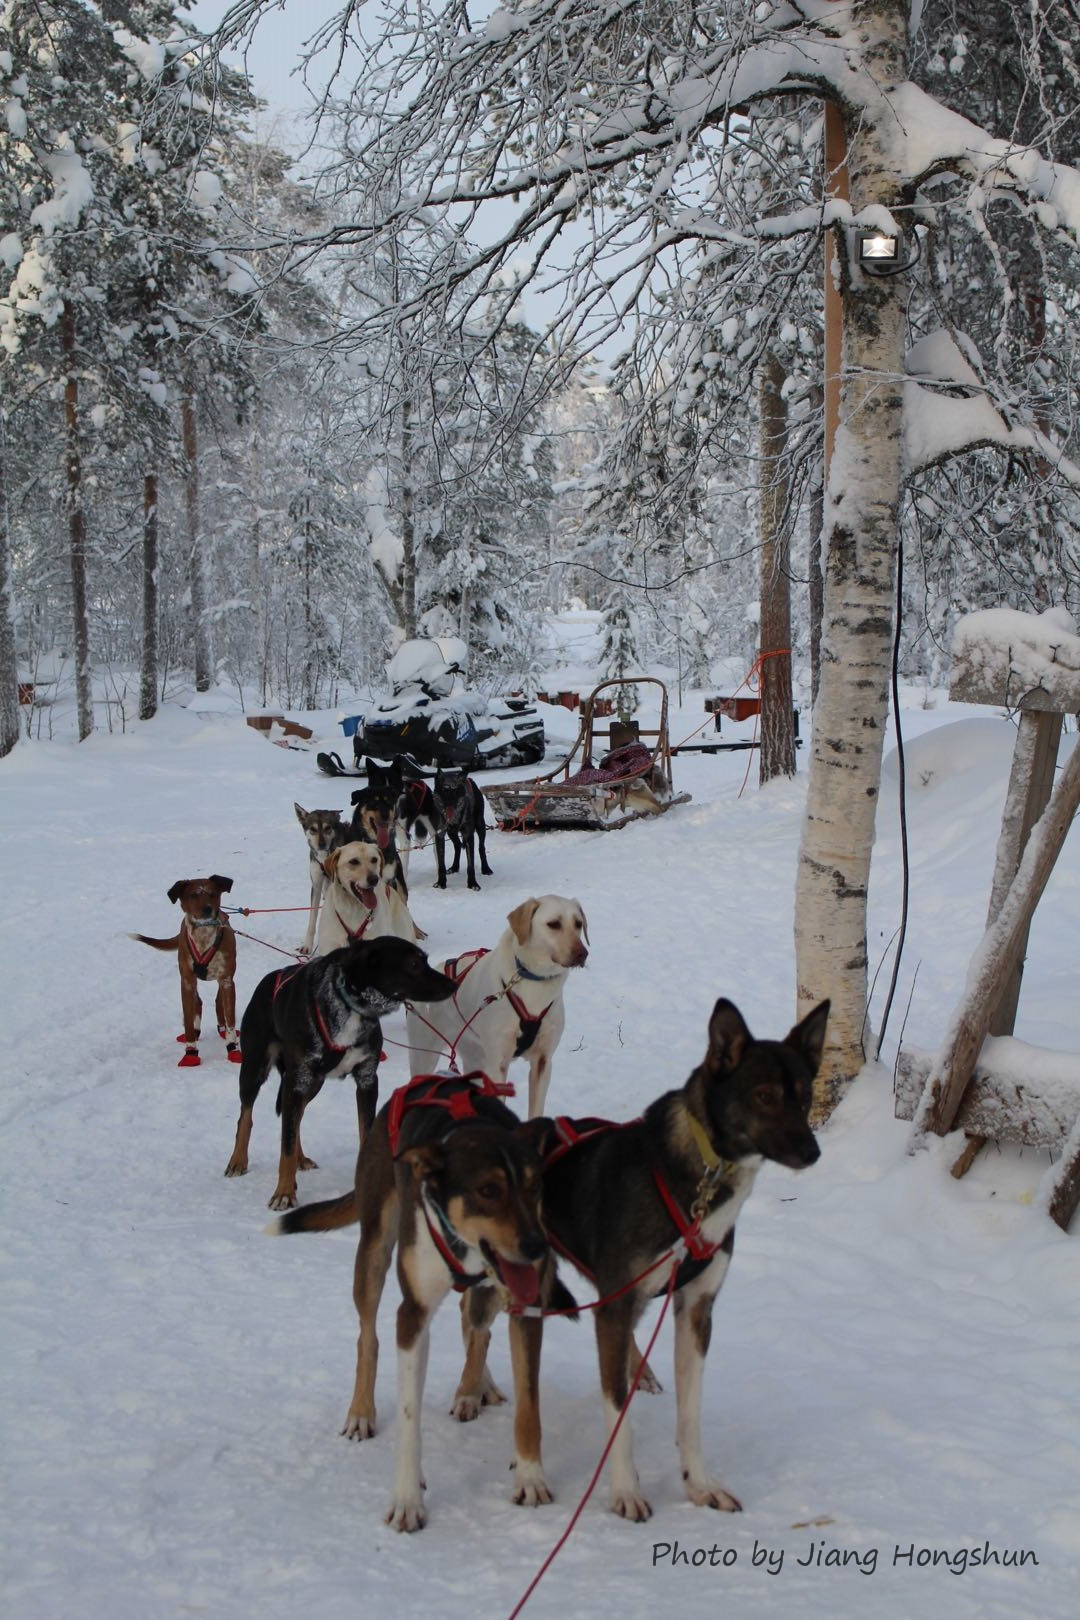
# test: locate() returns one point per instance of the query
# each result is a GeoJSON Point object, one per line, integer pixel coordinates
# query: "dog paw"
{"type": "Point", "coordinates": [530, 1487]}
{"type": "Point", "coordinates": [630, 1505]}
{"type": "Point", "coordinates": [303, 951]}
{"type": "Point", "coordinates": [474, 885]}
{"type": "Point", "coordinates": [359, 1426]}
{"type": "Point", "coordinates": [283, 1200]}
{"type": "Point", "coordinates": [648, 1382]}
{"type": "Point", "coordinates": [406, 1512]}
{"type": "Point", "coordinates": [490, 1393]}
{"type": "Point", "coordinates": [466, 1408]}
{"type": "Point", "coordinates": [711, 1494]}
{"type": "Point", "coordinates": [304, 1163]}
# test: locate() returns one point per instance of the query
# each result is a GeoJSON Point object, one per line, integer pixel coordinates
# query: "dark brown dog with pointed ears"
{"type": "Point", "coordinates": [325, 832]}
{"type": "Point", "coordinates": [452, 1178]}
{"type": "Point", "coordinates": [619, 1198]}
{"type": "Point", "coordinates": [205, 949]}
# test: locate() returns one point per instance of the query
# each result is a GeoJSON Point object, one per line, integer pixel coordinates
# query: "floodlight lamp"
{"type": "Point", "coordinates": [879, 252]}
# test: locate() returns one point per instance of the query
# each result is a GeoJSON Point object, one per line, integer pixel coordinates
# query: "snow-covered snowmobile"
{"type": "Point", "coordinates": [424, 717]}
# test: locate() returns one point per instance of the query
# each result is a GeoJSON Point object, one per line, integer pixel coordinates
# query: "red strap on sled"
{"type": "Point", "coordinates": [430, 1091]}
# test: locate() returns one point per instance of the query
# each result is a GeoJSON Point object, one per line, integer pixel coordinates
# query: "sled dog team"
{"type": "Point", "coordinates": [474, 1200]}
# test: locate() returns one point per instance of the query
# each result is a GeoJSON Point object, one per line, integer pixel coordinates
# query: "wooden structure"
{"type": "Point", "coordinates": [584, 797]}
{"type": "Point", "coordinates": [1003, 1089]}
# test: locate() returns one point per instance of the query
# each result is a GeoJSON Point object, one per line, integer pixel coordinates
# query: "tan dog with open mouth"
{"type": "Point", "coordinates": [205, 949]}
{"type": "Point", "coordinates": [509, 1001]}
{"type": "Point", "coordinates": [359, 903]}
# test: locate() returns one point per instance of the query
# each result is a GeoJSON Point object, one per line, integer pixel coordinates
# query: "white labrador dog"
{"type": "Point", "coordinates": [358, 902]}
{"type": "Point", "coordinates": [510, 1000]}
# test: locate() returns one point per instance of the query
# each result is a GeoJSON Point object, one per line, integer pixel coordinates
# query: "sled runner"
{"type": "Point", "coordinates": [630, 780]}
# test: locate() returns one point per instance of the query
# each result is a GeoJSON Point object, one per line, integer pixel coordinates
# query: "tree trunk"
{"type": "Point", "coordinates": [80, 628]}
{"type": "Point", "coordinates": [148, 664]}
{"type": "Point", "coordinates": [9, 664]}
{"type": "Point", "coordinates": [816, 518]}
{"type": "Point", "coordinates": [408, 526]}
{"type": "Point", "coordinates": [861, 511]}
{"type": "Point", "coordinates": [202, 647]}
{"type": "Point", "coordinates": [777, 753]}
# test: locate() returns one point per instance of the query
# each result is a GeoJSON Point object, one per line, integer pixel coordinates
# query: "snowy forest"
{"type": "Point", "coordinates": [266, 413]}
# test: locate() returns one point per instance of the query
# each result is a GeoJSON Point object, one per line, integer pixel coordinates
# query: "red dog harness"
{"type": "Point", "coordinates": [283, 976]}
{"type": "Point", "coordinates": [571, 1134]}
{"type": "Point", "coordinates": [200, 960]}
{"type": "Point", "coordinates": [458, 968]}
{"type": "Point", "coordinates": [431, 1091]}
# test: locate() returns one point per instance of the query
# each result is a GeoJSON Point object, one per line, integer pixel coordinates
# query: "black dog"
{"type": "Point", "coordinates": [377, 815]}
{"type": "Point", "coordinates": [618, 1198]}
{"type": "Point", "coordinates": [460, 807]}
{"type": "Point", "coordinates": [318, 1021]}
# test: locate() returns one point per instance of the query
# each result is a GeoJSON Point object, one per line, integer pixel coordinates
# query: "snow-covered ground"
{"type": "Point", "coordinates": [894, 1358]}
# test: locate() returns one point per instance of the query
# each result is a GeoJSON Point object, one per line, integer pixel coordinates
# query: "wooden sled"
{"type": "Point", "coordinates": [583, 797]}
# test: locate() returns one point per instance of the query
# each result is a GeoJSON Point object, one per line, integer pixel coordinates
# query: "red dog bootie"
{"type": "Point", "coordinates": [234, 1053]}
{"type": "Point", "coordinates": [181, 1039]}
{"type": "Point", "coordinates": [190, 1060]}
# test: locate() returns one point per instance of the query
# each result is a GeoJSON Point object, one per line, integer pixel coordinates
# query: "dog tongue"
{"type": "Point", "coordinates": [367, 897]}
{"type": "Point", "coordinates": [522, 1281]}
{"type": "Point", "coordinates": [382, 837]}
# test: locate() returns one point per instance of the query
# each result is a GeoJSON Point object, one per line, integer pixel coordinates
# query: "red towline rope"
{"type": "Point", "coordinates": [575, 1516]}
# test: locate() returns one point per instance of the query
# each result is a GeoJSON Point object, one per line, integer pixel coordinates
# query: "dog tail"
{"type": "Point", "coordinates": [561, 1298]}
{"type": "Point", "coordinates": [324, 1217]}
{"type": "Point", "coordinates": [158, 944]}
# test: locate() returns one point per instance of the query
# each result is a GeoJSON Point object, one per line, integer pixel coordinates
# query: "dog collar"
{"type": "Point", "coordinates": [524, 973]}
{"type": "Point", "coordinates": [714, 1164]}
{"type": "Point", "coordinates": [207, 922]}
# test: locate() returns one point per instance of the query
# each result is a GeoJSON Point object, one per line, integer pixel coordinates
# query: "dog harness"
{"type": "Point", "coordinates": [358, 933]}
{"type": "Point", "coordinates": [444, 1091]}
{"type": "Point", "coordinates": [200, 960]}
{"type": "Point", "coordinates": [697, 1249]}
{"type": "Point", "coordinates": [283, 976]}
{"type": "Point", "coordinates": [458, 968]}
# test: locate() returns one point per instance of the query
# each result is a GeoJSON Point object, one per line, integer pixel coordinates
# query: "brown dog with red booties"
{"type": "Point", "coordinates": [205, 949]}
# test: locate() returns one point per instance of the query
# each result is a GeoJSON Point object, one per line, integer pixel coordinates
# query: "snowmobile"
{"type": "Point", "coordinates": [424, 718]}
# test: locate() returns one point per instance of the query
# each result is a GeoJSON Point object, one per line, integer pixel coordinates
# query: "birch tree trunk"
{"type": "Point", "coordinates": [9, 666]}
{"type": "Point", "coordinates": [861, 508]}
{"type": "Point", "coordinates": [80, 628]}
{"type": "Point", "coordinates": [777, 754]}
{"type": "Point", "coordinates": [148, 661]}
{"type": "Point", "coordinates": [200, 624]}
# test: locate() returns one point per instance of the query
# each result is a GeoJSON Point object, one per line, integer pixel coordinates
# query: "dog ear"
{"type": "Point", "coordinates": [424, 1161]}
{"type": "Point", "coordinates": [354, 798]}
{"type": "Point", "coordinates": [808, 1036]}
{"type": "Point", "coordinates": [584, 922]}
{"type": "Point", "coordinates": [520, 919]}
{"type": "Point", "coordinates": [330, 863]}
{"type": "Point", "coordinates": [728, 1038]}
{"type": "Point", "coordinates": [540, 1134]}
{"type": "Point", "coordinates": [177, 889]}
{"type": "Point", "coordinates": [301, 813]}
{"type": "Point", "coordinates": [219, 882]}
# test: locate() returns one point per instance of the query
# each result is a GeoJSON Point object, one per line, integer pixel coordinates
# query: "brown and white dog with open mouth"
{"type": "Point", "coordinates": [359, 902]}
{"type": "Point", "coordinates": [205, 949]}
{"type": "Point", "coordinates": [509, 1001]}
{"type": "Point", "coordinates": [451, 1178]}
